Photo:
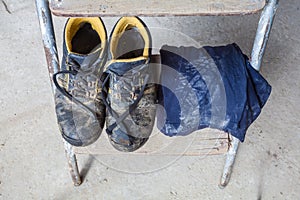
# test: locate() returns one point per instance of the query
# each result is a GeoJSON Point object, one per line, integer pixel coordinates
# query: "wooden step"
{"type": "Point", "coordinates": [80, 8]}
{"type": "Point", "coordinates": [199, 143]}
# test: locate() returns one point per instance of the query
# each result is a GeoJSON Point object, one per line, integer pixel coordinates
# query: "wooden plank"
{"type": "Point", "coordinates": [80, 8]}
{"type": "Point", "coordinates": [199, 143]}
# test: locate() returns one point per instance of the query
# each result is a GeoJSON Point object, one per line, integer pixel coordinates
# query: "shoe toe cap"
{"type": "Point", "coordinates": [124, 142]}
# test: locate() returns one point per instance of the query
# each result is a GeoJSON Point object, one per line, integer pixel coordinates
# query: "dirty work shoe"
{"type": "Point", "coordinates": [127, 92]}
{"type": "Point", "coordinates": [79, 108]}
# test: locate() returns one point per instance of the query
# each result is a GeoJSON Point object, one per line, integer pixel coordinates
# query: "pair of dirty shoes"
{"type": "Point", "coordinates": [108, 81]}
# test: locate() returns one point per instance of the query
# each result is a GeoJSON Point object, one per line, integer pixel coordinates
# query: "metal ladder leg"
{"type": "Point", "coordinates": [48, 36]}
{"type": "Point", "coordinates": [230, 158]}
{"type": "Point", "coordinates": [72, 161]}
{"type": "Point", "coordinates": [259, 46]}
{"type": "Point", "coordinates": [263, 31]}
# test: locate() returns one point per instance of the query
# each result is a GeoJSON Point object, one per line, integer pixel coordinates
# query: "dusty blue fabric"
{"type": "Point", "coordinates": [209, 87]}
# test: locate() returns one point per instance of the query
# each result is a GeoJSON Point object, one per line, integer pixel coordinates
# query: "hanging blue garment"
{"type": "Point", "coordinates": [212, 87]}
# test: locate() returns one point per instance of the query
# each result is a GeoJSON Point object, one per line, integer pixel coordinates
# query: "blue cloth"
{"type": "Point", "coordinates": [212, 87]}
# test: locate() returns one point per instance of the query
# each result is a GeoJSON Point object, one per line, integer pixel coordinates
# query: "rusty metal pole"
{"type": "Point", "coordinates": [259, 46]}
{"type": "Point", "coordinates": [46, 26]}
{"type": "Point", "coordinates": [72, 161]}
{"type": "Point", "coordinates": [48, 36]}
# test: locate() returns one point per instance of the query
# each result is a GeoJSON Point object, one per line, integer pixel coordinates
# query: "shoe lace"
{"type": "Point", "coordinates": [120, 118]}
{"type": "Point", "coordinates": [81, 83]}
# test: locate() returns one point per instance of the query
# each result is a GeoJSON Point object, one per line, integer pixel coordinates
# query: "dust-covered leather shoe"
{"type": "Point", "coordinates": [79, 108]}
{"type": "Point", "coordinates": [128, 94]}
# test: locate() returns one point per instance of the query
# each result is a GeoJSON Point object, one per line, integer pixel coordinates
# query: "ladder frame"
{"type": "Point", "coordinates": [49, 42]}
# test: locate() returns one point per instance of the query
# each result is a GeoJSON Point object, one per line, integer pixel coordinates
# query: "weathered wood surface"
{"type": "Point", "coordinates": [199, 143]}
{"type": "Point", "coordinates": [154, 7]}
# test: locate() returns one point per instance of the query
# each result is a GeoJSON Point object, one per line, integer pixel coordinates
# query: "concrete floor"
{"type": "Point", "coordinates": [32, 160]}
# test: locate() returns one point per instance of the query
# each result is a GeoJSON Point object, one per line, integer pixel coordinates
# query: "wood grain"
{"type": "Point", "coordinates": [199, 143]}
{"type": "Point", "coordinates": [80, 8]}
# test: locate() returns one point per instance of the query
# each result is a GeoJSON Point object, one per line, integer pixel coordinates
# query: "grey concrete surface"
{"type": "Point", "coordinates": [32, 160]}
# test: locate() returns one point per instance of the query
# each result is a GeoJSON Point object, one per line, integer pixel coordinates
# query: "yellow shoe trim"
{"type": "Point", "coordinates": [73, 26]}
{"type": "Point", "coordinates": [124, 24]}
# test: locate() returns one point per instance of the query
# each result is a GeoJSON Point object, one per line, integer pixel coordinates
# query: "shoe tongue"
{"type": "Point", "coordinates": [86, 61]}
{"type": "Point", "coordinates": [120, 67]}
